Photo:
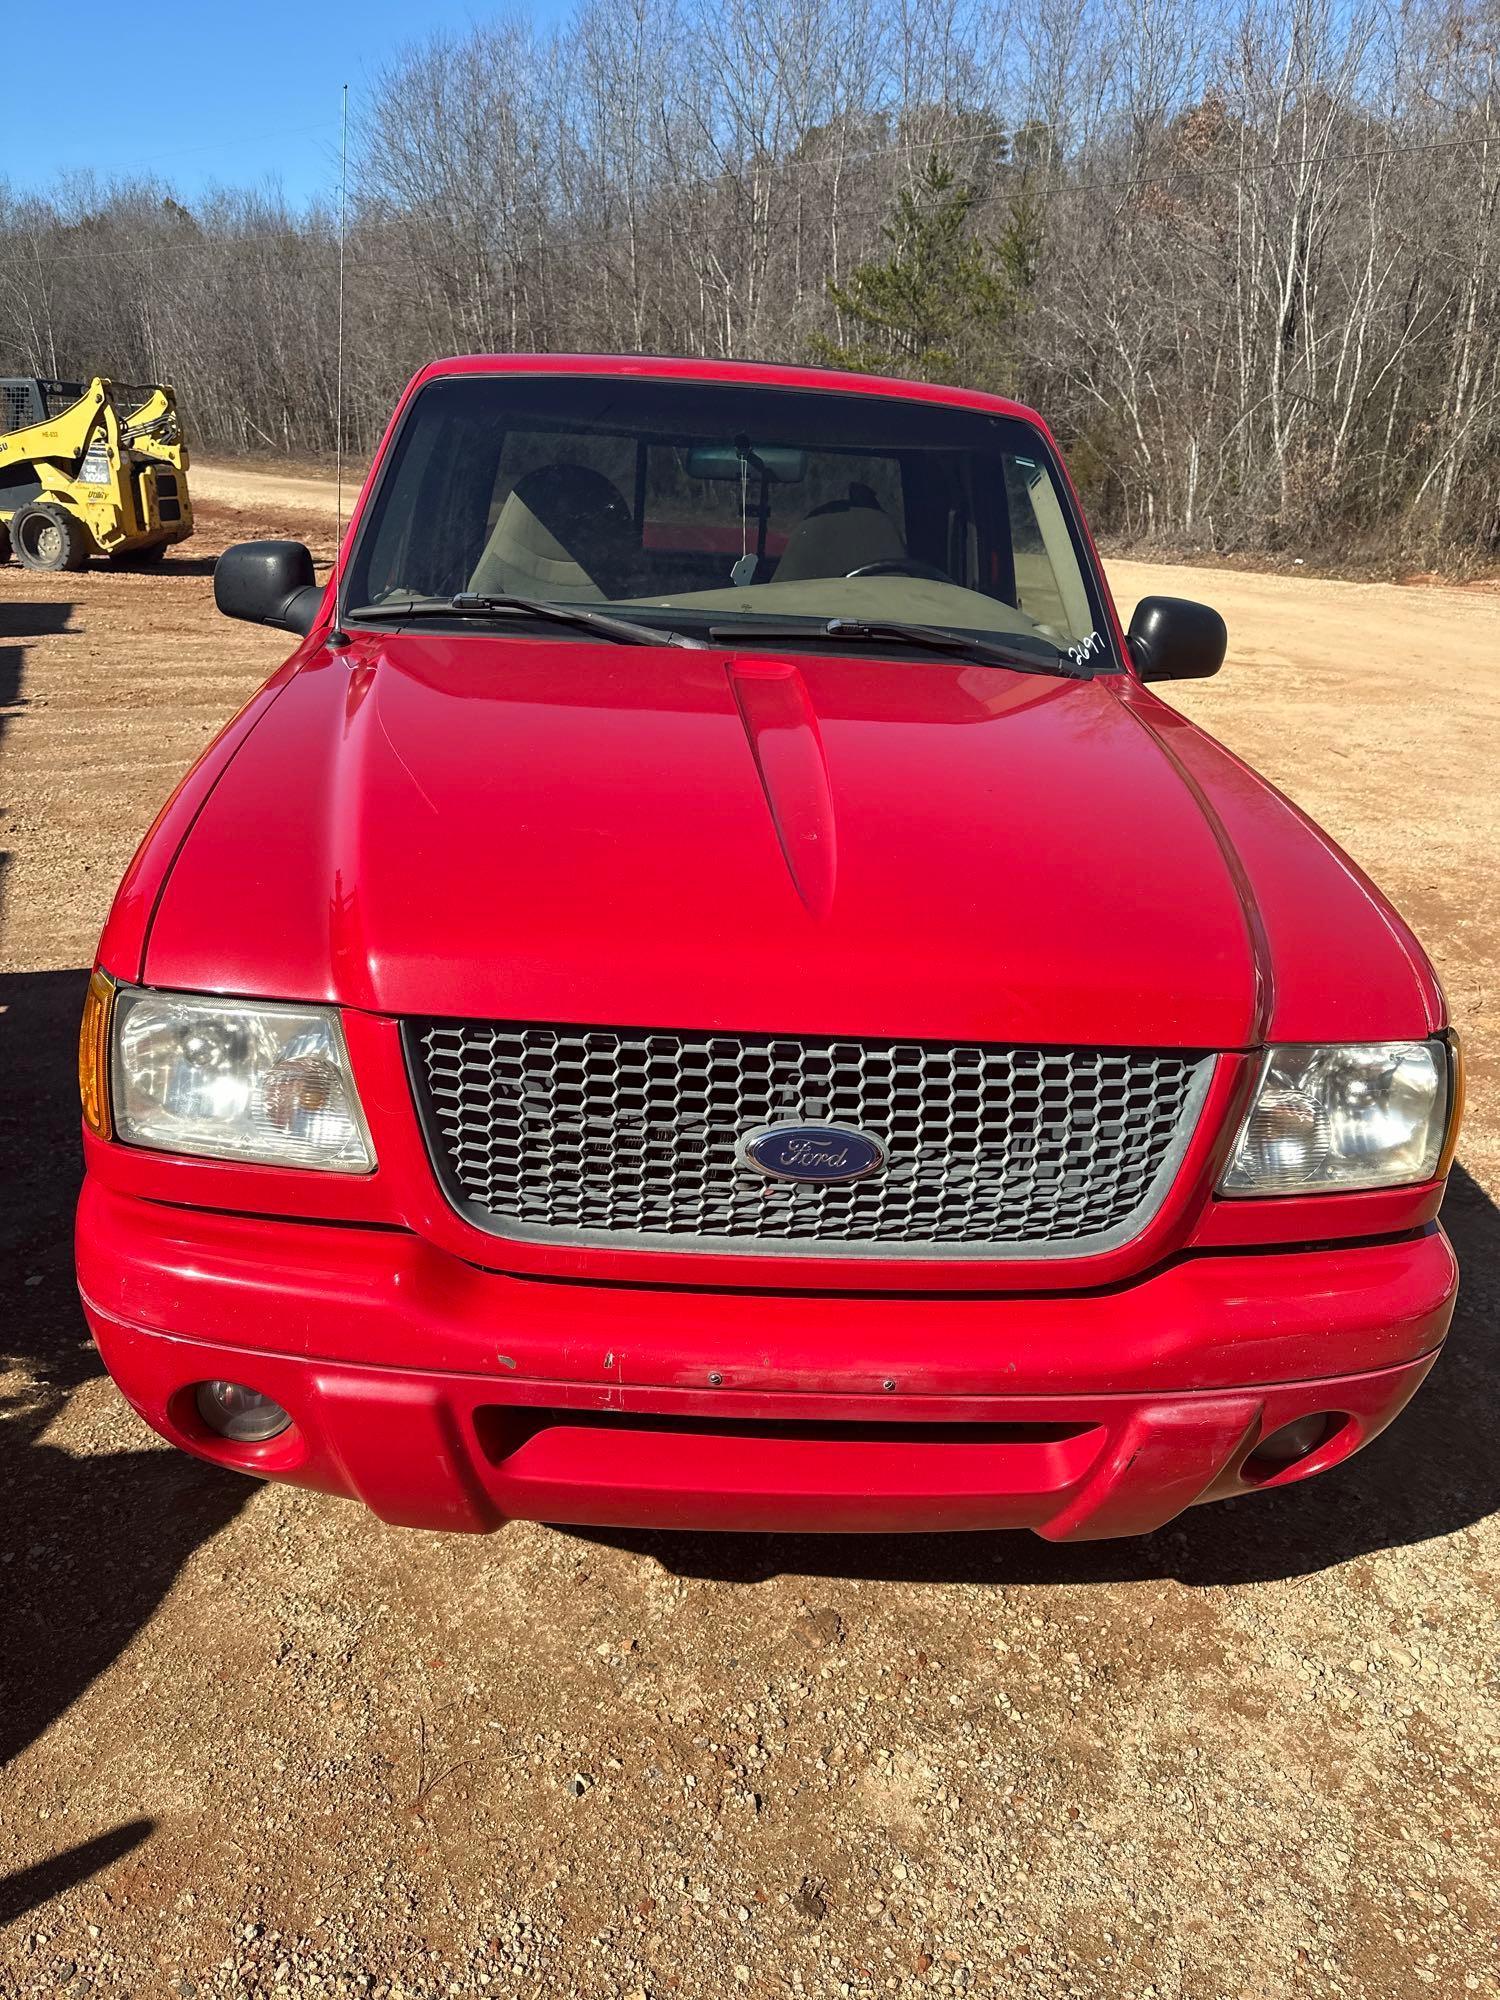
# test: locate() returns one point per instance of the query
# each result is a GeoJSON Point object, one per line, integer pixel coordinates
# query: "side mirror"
{"type": "Point", "coordinates": [270, 583]}
{"type": "Point", "coordinates": [1174, 639]}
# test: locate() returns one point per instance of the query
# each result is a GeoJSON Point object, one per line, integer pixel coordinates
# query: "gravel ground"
{"type": "Point", "coordinates": [254, 1742]}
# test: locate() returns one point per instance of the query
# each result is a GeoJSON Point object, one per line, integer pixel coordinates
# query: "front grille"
{"type": "Point", "coordinates": [628, 1137]}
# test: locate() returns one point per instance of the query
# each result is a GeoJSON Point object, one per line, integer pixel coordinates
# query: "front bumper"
{"type": "Point", "coordinates": [448, 1396]}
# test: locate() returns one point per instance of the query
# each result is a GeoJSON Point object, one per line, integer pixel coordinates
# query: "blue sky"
{"type": "Point", "coordinates": [233, 92]}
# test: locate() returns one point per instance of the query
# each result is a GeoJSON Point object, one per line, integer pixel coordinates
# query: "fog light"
{"type": "Point", "coordinates": [1293, 1441]}
{"type": "Point", "coordinates": [243, 1415]}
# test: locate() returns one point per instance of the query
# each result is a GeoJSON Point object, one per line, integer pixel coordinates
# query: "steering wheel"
{"type": "Point", "coordinates": [901, 566]}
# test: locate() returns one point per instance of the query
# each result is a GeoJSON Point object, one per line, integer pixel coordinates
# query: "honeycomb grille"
{"type": "Point", "coordinates": [616, 1136]}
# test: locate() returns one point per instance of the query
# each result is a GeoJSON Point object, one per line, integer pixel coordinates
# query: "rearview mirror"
{"type": "Point", "coordinates": [784, 464]}
{"type": "Point", "coordinates": [1174, 639]}
{"type": "Point", "coordinates": [269, 583]}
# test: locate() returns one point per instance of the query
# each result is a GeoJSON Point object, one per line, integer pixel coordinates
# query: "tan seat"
{"type": "Point", "coordinates": [564, 532]}
{"type": "Point", "coordinates": [837, 537]}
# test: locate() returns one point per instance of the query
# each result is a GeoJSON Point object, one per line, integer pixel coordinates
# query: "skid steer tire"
{"type": "Point", "coordinates": [47, 537]}
{"type": "Point", "coordinates": [4, 545]}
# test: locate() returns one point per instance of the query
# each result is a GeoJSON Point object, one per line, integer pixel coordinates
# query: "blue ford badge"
{"type": "Point", "coordinates": [812, 1152]}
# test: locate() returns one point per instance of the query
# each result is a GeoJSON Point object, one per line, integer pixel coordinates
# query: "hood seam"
{"type": "Point", "coordinates": [1261, 960]}
{"type": "Point", "coordinates": [170, 869]}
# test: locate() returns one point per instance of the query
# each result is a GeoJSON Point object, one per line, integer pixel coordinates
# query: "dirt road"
{"type": "Point", "coordinates": [237, 485]}
{"type": "Point", "coordinates": [260, 1744]}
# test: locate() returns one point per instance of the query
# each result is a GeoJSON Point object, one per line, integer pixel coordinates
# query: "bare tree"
{"type": "Point", "coordinates": [1246, 255]}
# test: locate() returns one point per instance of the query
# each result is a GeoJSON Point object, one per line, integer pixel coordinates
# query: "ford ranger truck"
{"type": "Point", "coordinates": [711, 991]}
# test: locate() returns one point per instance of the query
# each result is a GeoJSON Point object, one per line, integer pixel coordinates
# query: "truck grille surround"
{"type": "Point", "coordinates": [629, 1138]}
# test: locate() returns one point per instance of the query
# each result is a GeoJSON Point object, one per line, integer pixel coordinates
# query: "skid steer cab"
{"type": "Point", "coordinates": [88, 469]}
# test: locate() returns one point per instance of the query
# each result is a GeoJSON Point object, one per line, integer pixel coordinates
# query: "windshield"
{"type": "Point", "coordinates": [705, 506]}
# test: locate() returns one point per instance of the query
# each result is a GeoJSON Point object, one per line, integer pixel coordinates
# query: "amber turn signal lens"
{"type": "Point", "coordinates": [93, 1054]}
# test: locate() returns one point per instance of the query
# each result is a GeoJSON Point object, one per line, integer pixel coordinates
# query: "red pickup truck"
{"type": "Point", "coordinates": [710, 991]}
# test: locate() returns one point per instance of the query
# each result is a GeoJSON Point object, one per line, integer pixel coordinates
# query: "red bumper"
{"type": "Point", "coordinates": [446, 1396]}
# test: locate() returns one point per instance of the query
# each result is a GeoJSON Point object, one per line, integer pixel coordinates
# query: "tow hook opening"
{"type": "Point", "coordinates": [1291, 1445]}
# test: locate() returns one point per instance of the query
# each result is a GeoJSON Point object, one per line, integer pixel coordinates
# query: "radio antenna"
{"type": "Point", "coordinates": [338, 636]}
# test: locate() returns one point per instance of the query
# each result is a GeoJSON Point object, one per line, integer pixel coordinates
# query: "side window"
{"type": "Point", "coordinates": [834, 477]}
{"type": "Point", "coordinates": [685, 515]}
{"type": "Point", "coordinates": [405, 555]}
{"type": "Point", "coordinates": [1048, 587]}
{"type": "Point", "coordinates": [430, 525]}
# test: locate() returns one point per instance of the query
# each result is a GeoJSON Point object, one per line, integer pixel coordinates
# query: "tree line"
{"type": "Point", "coordinates": [1244, 254]}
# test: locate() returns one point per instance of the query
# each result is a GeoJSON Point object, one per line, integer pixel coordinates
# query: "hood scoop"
{"type": "Point", "coordinates": [781, 727]}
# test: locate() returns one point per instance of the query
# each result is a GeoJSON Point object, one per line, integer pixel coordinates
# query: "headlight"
{"type": "Point", "coordinates": [1331, 1118]}
{"type": "Point", "coordinates": [236, 1081]}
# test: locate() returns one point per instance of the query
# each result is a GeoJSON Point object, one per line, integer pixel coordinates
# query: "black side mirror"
{"type": "Point", "coordinates": [270, 583]}
{"type": "Point", "coordinates": [1174, 639]}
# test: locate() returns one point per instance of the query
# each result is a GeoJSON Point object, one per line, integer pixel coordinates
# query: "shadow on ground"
{"type": "Point", "coordinates": [23, 619]}
{"type": "Point", "coordinates": [28, 1888]}
{"type": "Point", "coordinates": [1435, 1472]}
{"type": "Point", "coordinates": [169, 566]}
{"type": "Point", "coordinates": [89, 1544]}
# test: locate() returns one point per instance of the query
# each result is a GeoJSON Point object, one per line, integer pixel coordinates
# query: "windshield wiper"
{"type": "Point", "coordinates": [480, 604]}
{"type": "Point", "coordinates": [896, 631]}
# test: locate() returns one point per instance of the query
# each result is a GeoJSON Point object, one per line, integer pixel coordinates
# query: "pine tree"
{"type": "Point", "coordinates": [939, 305]}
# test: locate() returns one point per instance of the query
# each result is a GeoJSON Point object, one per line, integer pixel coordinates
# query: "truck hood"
{"type": "Point", "coordinates": [543, 829]}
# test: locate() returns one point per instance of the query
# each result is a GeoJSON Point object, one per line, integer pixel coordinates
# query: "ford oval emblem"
{"type": "Point", "coordinates": [812, 1152]}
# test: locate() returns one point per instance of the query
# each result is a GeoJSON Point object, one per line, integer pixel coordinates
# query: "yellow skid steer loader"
{"type": "Point", "coordinates": [90, 469]}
